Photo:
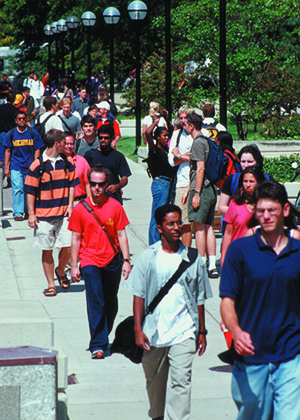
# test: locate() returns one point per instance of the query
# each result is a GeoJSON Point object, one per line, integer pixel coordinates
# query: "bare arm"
{"type": "Point", "coordinates": [223, 204]}
{"type": "Point", "coordinates": [185, 195]}
{"type": "Point", "coordinates": [37, 153]}
{"type": "Point", "coordinates": [201, 347]}
{"type": "Point", "coordinates": [69, 210]}
{"type": "Point", "coordinates": [149, 130]}
{"type": "Point", "coordinates": [138, 309]}
{"type": "Point", "coordinates": [144, 133]}
{"type": "Point", "coordinates": [87, 189]}
{"type": "Point", "coordinates": [198, 184]}
{"type": "Point", "coordinates": [242, 340]}
{"type": "Point", "coordinates": [32, 220]}
{"type": "Point", "coordinates": [75, 246]}
{"type": "Point", "coordinates": [6, 162]}
{"type": "Point", "coordinates": [226, 241]}
{"type": "Point", "coordinates": [123, 241]}
{"type": "Point", "coordinates": [113, 188]}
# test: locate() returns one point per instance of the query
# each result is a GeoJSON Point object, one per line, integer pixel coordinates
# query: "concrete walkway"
{"type": "Point", "coordinates": [114, 388]}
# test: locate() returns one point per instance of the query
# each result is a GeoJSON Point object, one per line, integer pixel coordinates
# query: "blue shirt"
{"type": "Point", "coordinates": [266, 290]}
{"type": "Point", "coordinates": [22, 148]}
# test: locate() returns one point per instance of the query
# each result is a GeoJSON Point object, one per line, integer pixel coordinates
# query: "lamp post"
{"type": "Point", "coordinates": [72, 23]}
{"type": "Point", "coordinates": [111, 16]}
{"type": "Point", "coordinates": [88, 20]}
{"type": "Point", "coordinates": [48, 32]}
{"type": "Point", "coordinates": [55, 32]}
{"type": "Point", "coordinates": [137, 12]}
{"type": "Point", "coordinates": [62, 27]}
{"type": "Point", "coordinates": [223, 86]}
{"type": "Point", "coordinates": [168, 59]}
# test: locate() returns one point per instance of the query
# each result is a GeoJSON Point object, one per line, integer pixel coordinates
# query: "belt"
{"type": "Point", "coordinates": [164, 177]}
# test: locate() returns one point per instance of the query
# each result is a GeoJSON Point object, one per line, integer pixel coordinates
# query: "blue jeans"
{"type": "Point", "coordinates": [102, 285]}
{"type": "Point", "coordinates": [267, 391]}
{"type": "Point", "coordinates": [19, 196]}
{"type": "Point", "coordinates": [161, 194]}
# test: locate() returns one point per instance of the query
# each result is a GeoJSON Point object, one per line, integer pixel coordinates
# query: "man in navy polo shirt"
{"type": "Point", "coordinates": [260, 291]}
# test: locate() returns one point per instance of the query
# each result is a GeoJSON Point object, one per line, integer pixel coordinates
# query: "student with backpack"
{"type": "Point", "coordinates": [224, 139]}
{"type": "Point", "coordinates": [209, 124]}
{"type": "Point", "coordinates": [50, 187]}
{"type": "Point", "coordinates": [22, 146]}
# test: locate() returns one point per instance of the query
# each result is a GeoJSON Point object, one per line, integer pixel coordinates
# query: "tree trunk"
{"type": "Point", "coordinates": [239, 126]}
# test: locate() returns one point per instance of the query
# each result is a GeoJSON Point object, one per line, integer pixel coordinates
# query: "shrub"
{"type": "Point", "coordinates": [282, 127]}
{"type": "Point", "coordinates": [281, 168]}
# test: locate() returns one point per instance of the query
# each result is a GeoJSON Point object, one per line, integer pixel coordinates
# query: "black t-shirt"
{"type": "Point", "coordinates": [3, 87]}
{"type": "Point", "coordinates": [8, 114]}
{"type": "Point", "coordinates": [115, 162]}
{"type": "Point", "coordinates": [160, 163]}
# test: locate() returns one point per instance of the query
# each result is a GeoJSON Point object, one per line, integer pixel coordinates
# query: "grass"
{"type": "Point", "coordinates": [127, 146]}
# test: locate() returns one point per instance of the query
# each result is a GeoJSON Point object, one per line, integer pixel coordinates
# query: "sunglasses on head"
{"type": "Point", "coordinates": [104, 137]}
{"type": "Point", "coordinates": [100, 184]}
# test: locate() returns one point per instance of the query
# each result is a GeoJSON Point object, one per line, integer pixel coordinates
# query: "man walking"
{"type": "Point", "coordinates": [89, 140]}
{"type": "Point", "coordinates": [49, 118]}
{"type": "Point", "coordinates": [79, 104]}
{"type": "Point", "coordinates": [260, 291]}
{"type": "Point", "coordinates": [96, 244]}
{"type": "Point", "coordinates": [22, 146]}
{"type": "Point", "coordinates": [201, 195]}
{"type": "Point", "coordinates": [175, 331]}
{"type": "Point", "coordinates": [50, 186]}
{"type": "Point", "coordinates": [111, 159]}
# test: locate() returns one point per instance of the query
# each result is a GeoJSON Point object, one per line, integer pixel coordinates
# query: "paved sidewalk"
{"type": "Point", "coordinates": [113, 388]}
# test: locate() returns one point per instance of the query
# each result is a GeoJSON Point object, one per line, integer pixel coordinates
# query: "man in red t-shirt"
{"type": "Point", "coordinates": [100, 263]}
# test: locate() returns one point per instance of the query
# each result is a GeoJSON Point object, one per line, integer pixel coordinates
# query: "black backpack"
{"type": "Point", "coordinates": [40, 126]}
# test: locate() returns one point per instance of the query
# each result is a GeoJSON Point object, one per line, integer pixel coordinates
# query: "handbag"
{"type": "Point", "coordinates": [124, 341]}
{"type": "Point", "coordinates": [115, 247]}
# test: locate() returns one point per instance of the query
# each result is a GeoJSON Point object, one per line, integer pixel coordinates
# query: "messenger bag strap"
{"type": "Point", "coordinates": [165, 289]}
{"type": "Point", "coordinates": [115, 247]}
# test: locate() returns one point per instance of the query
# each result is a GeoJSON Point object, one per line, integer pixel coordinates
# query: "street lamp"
{"type": "Point", "coordinates": [55, 32]}
{"type": "Point", "coordinates": [111, 16]}
{"type": "Point", "coordinates": [48, 32]}
{"type": "Point", "coordinates": [88, 20]}
{"type": "Point", "coordinates": [72, 23]}
{"type": "Point", "coordinates": [137, 11]}
{"type": "Point", "coordinates": [168, 58]}
{"type": "Point", "coordinates": [223, 86]}
{"type": "Point", "coordinates": [62, 27]}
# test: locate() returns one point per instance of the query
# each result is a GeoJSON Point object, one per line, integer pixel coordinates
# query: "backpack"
{"type": "Point", "coordinates": [217, 162]}
{"type": "Point", "coordinates": [211, 128]}
{"type": "Point", "coordinates": [42, 170]}
{"type": "Point", "coordinates": [40, 126]}
{"type": "Point", "coordinates": [235, 181]}
{"type": "Point", "coordinates": [235, 160]}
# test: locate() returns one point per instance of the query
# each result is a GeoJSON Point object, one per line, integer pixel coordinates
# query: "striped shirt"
{"type": "Point", "coordinates": [52, 197]}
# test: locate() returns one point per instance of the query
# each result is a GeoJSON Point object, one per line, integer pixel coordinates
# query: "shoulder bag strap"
{"type": "Point", "coordinates": [65, 124]}
{"type": "Point", "coordinates": [165, 289]}
{"type": "Point", "coordinates": [115, 247]}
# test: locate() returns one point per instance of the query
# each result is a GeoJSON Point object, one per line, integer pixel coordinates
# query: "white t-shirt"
{"type": "Point", "coordinates": [174, 322]}
{"type": "Point", "coordinates": [53, 122]}
{"type": "Point", "coordinates": [185, 144]}
{"type": "Point", "coordinates": [148, 121]}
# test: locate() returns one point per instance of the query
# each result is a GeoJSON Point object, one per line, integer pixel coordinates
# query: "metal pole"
{"type": "Point", "coordinates": [112, 75]}
{"type": "Point", "coordinates": [223, 87]}
{"type": "Point", "coordinates": [57, 60]}
{"type": "Point", "coordinates": [168, 59]}
{"type": "Point", "coordinates": [62, 55]}
{"type": "Point", "coordinates": [73, 60]}
{"type": "Point", "coordinates": [49, 65]}
{"type": "Point", "coordinates": [138, 91]}
{"type": "Point", "coordinates": [89, 59]}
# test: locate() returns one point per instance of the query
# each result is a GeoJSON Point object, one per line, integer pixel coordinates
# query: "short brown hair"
{"type": "Point", "coordinates": [209, 111]}
{"type": "Point", "coordinates": [99, 169]}
{"type": "Point", "coordinates": [52, 136]}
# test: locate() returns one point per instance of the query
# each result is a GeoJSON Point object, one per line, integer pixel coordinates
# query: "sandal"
{"type": "Point", "coordinates": [51, 291]}
{"type": "Point", "coordinates": [213, 274]}
{"type": "Point", "coordinates": [62, 280]}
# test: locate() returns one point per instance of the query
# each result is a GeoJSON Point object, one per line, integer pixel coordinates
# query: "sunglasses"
{"type": "Point", "coordinates": [100, 184]}
{"type": "Point", "coordinates": [103, 137]}
{"type": "Point", "coordinates": [22, 118]}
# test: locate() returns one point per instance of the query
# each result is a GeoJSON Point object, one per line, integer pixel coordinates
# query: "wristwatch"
{"type": "Point", "coordinates": [204, 332]}
{"type": "Point", "coordinates": [197, 192]}
{"type": "Point", "coordinates": [127, 260]}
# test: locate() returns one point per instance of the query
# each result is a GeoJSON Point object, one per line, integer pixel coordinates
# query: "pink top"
{"type": "Point", "coordinates": [239, 217]}
{"type": "Point", "coordinates": [82, 168]}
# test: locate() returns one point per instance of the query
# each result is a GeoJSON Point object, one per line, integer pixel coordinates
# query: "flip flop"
{"type": "Point", "coordinates": [62, 280]}
{"type": "Point", "coordinates": [51, 291]}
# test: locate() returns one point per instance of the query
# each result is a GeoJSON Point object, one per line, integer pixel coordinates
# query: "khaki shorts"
{"type": "Point", "coordinates": [206, 211]}
{"type": "Point", "coordinates": [183, 207]}
{"type": "Point", "coordinates": [52, 232]}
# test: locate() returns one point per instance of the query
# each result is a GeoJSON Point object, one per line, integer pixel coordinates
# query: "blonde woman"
{"type": "Point", "coordinates": [148, 120]}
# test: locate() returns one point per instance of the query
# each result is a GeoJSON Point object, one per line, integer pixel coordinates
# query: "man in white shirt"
{"type": "Point", "coordinates": [209, 124]}
{"type": "Point", "coordinates": [53, 122]}
{"type": "Point", "coordinates": [175, 331]}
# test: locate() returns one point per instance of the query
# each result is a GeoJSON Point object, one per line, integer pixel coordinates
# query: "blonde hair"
{"type": "Point", "coordinates": [154, 106]}
{"type": "Point", "coordinates": [66, 101]}
{"type": "Point", "coordinates": [185, 109]}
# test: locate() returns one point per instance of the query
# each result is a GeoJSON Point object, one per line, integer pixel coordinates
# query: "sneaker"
{"type": "Point", "coordinates": [213, 274]}
{"type": "Point", "coordinates": [98, 354]}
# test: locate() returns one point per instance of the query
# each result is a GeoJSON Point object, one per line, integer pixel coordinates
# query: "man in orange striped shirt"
{"type": "Point", "coordinates": [50, 186]}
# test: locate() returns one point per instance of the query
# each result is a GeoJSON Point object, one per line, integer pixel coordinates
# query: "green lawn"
{"type": "Point", "coordinates": [127, 146]}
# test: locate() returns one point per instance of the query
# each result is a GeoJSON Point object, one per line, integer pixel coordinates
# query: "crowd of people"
{"type": "Point", "coordinates": [67, 180]}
